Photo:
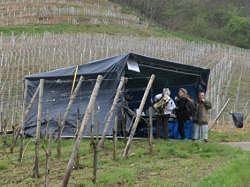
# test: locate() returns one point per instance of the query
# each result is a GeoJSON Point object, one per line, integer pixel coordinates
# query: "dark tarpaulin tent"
{"type": "Point", "coordinates": [136, 68]}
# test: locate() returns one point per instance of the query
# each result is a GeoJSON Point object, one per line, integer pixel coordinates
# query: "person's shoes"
{"type": "Point", "coordinates": [205, 140]}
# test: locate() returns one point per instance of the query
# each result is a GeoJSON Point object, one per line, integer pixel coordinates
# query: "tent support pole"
{"type": "Point", "coordinates": [111, 111]}
{"type": "Point", "coordinates": [38, 126]}
{"type": "Point", "coordinates": [138, 116]}
{"type": "Point", "coordinates": [85, 120]}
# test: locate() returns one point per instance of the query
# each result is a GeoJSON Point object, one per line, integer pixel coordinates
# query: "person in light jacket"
{"type": "Point", "coordinates": [200, 128]}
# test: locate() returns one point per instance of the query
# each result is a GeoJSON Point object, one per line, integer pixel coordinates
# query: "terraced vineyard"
{"type": "Point", "coordinates": [24, 54]}
{"type": "Point", "coordinates": [37, 12]}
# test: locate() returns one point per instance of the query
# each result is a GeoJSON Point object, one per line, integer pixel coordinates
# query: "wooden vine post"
{"type": "Point", "coordinates": [25, 113]}
{"type": "Point", "coordinates": [93, 143]}
{"type": "Point", "coordinates": [23, 119]}
{"type": "Point", "coordinates": [219, 114]}
{"type": "Point", "coordinates": [59, 139]}
{"type": "Point", "coordinates": [80, 132]}
{"type": "Point", "coordinates": [150, 130]}
{"type": "Point", "coordinates": [112, 110]}
{"type": "Point", "coordinates": [47, 151]}
{"type": "Point", "coordinates": [71, 101]}
{"type": "Point", "coordinates": [61, 122]}
{"type": "Point", "coordinates": [77, 161]}
{"type": "Point", "coordinates": [115, 137]}
{"type": "Point", "coordinates": [138, 116]}
{"type": "Point", "coordinates": [38, 126]}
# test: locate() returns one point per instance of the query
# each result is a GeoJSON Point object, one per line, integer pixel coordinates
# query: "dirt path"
{"type": "Point", "coordinates": [242, 145]}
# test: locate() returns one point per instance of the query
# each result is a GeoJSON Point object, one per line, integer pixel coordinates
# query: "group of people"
{"type": "Point", "coordinates": [184, 108]}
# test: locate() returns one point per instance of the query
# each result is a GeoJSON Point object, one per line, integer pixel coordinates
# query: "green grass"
{"type": "Point", "coordinates": [84, 28]}
{"type": "Point", "coordinates": [152, 31]}
{"type": "Point", "coordinates": [179, 163]}
{"type": "Point", "coordinates": [230, 136]}
{"type": "Point", "coordinates": [235, 173]}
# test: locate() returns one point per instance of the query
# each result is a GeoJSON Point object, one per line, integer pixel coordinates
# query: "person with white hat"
{"type": "Point", "coordinates": [164, 106]}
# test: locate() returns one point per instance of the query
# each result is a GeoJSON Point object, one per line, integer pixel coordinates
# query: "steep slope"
{"type": "Point", "coordinates": [225, 21]}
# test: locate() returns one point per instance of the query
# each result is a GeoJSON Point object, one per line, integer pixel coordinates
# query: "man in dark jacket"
{"type": "Point", "coordinates": [200, 129]}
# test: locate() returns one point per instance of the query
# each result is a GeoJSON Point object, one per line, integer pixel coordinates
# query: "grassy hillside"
{"type": "Point", "coordinates": [225, 21]}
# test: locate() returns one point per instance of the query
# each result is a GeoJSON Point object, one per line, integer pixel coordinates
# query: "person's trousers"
{"type": "Point", "coordinates": [200, 132]}
{"type": "Point", "coordinates": [164, 121]}
{"type": "Point", "coordinates": [181, 123]}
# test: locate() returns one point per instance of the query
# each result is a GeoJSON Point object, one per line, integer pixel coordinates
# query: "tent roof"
{"type": "Point", "coordinates": [109, 64]}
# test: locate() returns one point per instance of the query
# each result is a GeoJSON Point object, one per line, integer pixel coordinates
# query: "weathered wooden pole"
{"type": "Point", "coordinates": [112, 110]}
{"type": "Point", "coordinates": [46, 136]}
{"type": "Point", "coordinates": [77, 161]}
{"type": "Point", "coordinates": [219, 114]}
{"type": "Point", "coordinates": [80, 132]}
{"type": "Point", "coordinates": [150, 129]}
{"type": "Point", "coordinates": [124, 125]}
{"type": "Point", "coordinates": [25, 113]}
{"type": "Point", "coordinates": [59, 139]}
{"type": "Point", "coordinates": [47, 164]}
{"type": "Point", "coordinates": [94, 144]}
{"type": "Point", "coordinates": [71, 100]}
{"type": "Point", "coordinates": [4, 132]}
{"type": "Point", "coordinates": [138, 116]}
{"type": "Point", "coordinates": [16, 132]}
{"type": "Point", "coordinates": [38, 126]}
{"type": "Point", "coordinates": [238, 89]}
{"type": "Point", "coordinates": [1, 120]}
{"type": "Point", "coordinates": [95, 151]}
{"type": "Point", "coordinates": [77, 123]}
{"type": "Point", "coordinates": [115, 137]}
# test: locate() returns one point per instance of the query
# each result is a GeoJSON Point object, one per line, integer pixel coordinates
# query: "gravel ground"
{"type": "Point", "coordinates": [242, 145]}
